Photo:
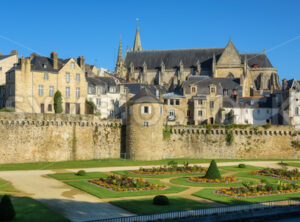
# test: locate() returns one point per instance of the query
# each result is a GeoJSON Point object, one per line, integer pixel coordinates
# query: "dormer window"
{"type": "Point", "coordinates": [255, 66]}
{"type": "Point", "coordinates": [44, 66]}
{"type": "Point", "coordinates": [193, 89]}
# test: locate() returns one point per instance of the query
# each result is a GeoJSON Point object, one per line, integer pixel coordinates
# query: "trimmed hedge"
{"type": "Point", "coordinates": [161, 200]}
{"type": "Point", "coordinates": [213, 171]}
{"type": "Point", "coordinates": [7, 211]}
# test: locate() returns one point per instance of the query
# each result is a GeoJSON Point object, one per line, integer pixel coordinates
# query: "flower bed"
{"type": "Point", "coordinates": [116, 183]}
{"type": "Point", "coordinates": [170, 170]}
{"type": "Point", "coordinates": [224, 180]}
{"type": "Point", "coordinates": [279, 173]}
{"type": "Point", "coordinates": [247, 190]}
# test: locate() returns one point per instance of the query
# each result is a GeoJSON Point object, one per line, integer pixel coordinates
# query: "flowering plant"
{"type": "Point", "coordinates": [124, 183]}
{"type": "Point", "coordinates": [279, 173]}
{"type": "Point", "coordinates": [170, 170]}
{"type": "Point", "coordinates": [224, 180]}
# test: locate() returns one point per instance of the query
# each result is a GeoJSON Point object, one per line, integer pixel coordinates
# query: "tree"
{"type": "Point", "coordinates": [213, 171]}
{"type": "Point", "coordinates": [7, 211]}
{"type": "Point", "coordinates": [58, 102]}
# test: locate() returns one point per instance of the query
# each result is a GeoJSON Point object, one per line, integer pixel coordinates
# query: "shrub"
{"type": "Point", "coordinates": [267, 126]}
{"type": "Point", "coordinates": [91, 104]}
{"type": "Point", "coordinates": [7, 109]}
{"type": "Point", "coordinates": [229, 138]}
{"type": "Point", "coordinates": [81, 173]}
{"type": "Point", "coordinates": [173, 164]}
{"type": "Point", "coordinates": [166, 133]}
{"type": "Point", "coordinates": [241, 165]}
{"type": "Point", "coordinates": [213, 171]}
{"type": "Point", "coordinates": [58, 102]}
{"type": "Point", "coordinates": [283, 163]}
{"type": "Point", "coordinates": [7, 211]}
{"type": "Point", "coordinates": [161, 200]}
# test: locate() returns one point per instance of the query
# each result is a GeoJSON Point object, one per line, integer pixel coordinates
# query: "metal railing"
{"type": "Point", "coordinates": [204, 212]}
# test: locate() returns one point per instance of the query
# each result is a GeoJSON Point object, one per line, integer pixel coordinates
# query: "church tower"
{"type": "Point", "coordinates": [119, 70]}
{"type": "Point", "coordinates": [137, 47]}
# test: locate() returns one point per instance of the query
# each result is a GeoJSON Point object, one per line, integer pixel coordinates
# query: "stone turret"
{"type": "Point", "coordinates": [144, 126]}
{"type": "Point", "coordinates": [137, 41]}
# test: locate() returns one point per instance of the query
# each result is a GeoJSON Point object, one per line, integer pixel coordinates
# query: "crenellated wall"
{"type": "Point", "coordinates": [253, 142]}
{"type": "Point", "coordinates": [50, 137]}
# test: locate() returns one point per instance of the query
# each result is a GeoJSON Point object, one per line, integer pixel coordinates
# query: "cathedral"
{"type": "Point", "coordinates": [170, 68]}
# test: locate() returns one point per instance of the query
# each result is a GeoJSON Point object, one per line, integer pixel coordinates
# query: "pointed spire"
{"type": "Point", "coordinates": [137, 41]}
{"type": "Point", "coordinates": [120, 54]}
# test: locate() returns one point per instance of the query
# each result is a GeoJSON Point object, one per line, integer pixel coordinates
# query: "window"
{"type": "Point", "coordinates": [9, 76]}
{"type": "Point", "coordinates": [212, 89]}
{"type": "Point", "coordinates": [112, 89]}
{"type": "Point", "coordinates": [199, 112]}
{"type": "Point", "coordinates": [67, 92]}
{"type": "Point", "coordinates": [50, 108]}
{"type": "Point", "coordinates": [98, 101]}
{"type": "Point", "coordinates": [171, 102]}
{"type": "Point", "coordinates": [99, 90]}
{"type": "Point", "coordinates": [165, 101]}
{"type": "Point", "coordinates": [211, 104]}
{"type": "Point", "coordinates": [67, 77]}
{"type": "Point", "coordinates": [77, 77]}
{"type": "Point", "coordinates": [51, 90]}
{"type": "Point", "coordinates": [171, 112]}
{"type": "Point", "coordinates": [200, 102]}
{"type": "Point", "coordinates": [91, 89]}
{"type": "Point", "coordinates": [177, 102]}
{"type": "Point", "coordinates": [73, 65]}
{"type": "Point", "coordinates": [46, 77]}
{"type": "Point", "coordinates": [146, 124]}
{"type": "Point", "coordinates": [9, 90]}
{"type": "Point", "coordinates": [234, 92]}
{"type": "Point", "coordinates": [146, 110]}
{"type": "Point", "coordinates": [77, 92]}
{"type": "Point", "coordinates": [41, 90]}
{"type": "Point", "coordinates": [225, 92]}
{"type": "Point", "coordinates": [44, 66]}
{"type": "Point", "coordinates": [193, 89]}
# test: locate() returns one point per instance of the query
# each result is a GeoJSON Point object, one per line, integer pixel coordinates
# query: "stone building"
{"type": "Point", "coordinates": [32, 83]}
{"type": "Point", "coordinates": [108, 96]}
{"type": "Point", "coordinates": [172, 67]}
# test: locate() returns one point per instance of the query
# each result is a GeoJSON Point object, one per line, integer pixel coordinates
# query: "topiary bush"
{"type": "Point", "coordinates": [81, 173]}
{"type": "Point", "coordinates": [161, 200]}
{"type": "Point", "coordinates": [7, 211]}
{"type": "Point", "coordinates": [241, 165]}
{"type": "Point", "coordinates": [213, 171]}
{"type": "Point", "coordinates": [58, 102]}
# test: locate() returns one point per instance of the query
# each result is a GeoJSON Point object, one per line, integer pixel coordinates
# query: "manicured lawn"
{"type": "Point", "coordinates": [259, 177]}
{"type": "Point", "coordinates": [236, 168]}
{"type": "Point", "coordinates": [183, 181]}
{"type": "Point", "coordinates": [6, 187]}
{"type": "Point", "coordinates": [73, 176]}
{"type": "Point", "coordinates": [131, 174]}
{"type": "Point", "coordinates": [105, 193]}
{"type": "Point", "coordinates": [208, 194]}
{"type": "Point", "coordinates": [30, 210]}
{"type": "Point", "coordinates": [145, 206]}
{"type": "Point", "coordinates": [112, 163]}
{"type": "Point", "coordinates": [294, 164]}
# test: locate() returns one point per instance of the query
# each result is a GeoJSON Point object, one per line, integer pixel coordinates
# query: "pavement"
{"type": "Point", "coordinates": [74, 204]}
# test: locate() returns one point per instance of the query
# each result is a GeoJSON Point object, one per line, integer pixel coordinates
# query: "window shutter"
{"type": "Point", "coordinates": [142, 109]}
{"type": "Point", "coordinates": [149, 109]}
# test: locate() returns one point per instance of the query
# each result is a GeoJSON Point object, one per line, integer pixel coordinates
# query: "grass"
{"type": "Point", "coordinates": [105, 193]}
{"type": "Point", "coordinates": [259, 177]}
{"type": "Point", "coordinates": [293, 164]}
{"type": "Point", "coordinates": [208, 194]}
{"type": "Point", "coordinates": [145, 206]}
{"type": "Point", "coordinates": [183, 181]}
{"type": "Point", "coordinates": [73, 176]}
{"type": "Point", "coordinates": [6, 187]}
{"type": "Point", "coordinates": [112, 163]}
{"type": "Point", "coordinates": [30, 210]}
{"type": "Point", "coordinates": [130, 174]}
{"type": "Point", "coordinates": [236, 168]}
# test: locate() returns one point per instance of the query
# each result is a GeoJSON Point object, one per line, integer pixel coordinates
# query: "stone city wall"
{"type": "Point", "coordinates": [52, 137]}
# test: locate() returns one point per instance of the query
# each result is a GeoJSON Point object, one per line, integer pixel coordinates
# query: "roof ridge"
{"type": "Point", "coordinates": [176, 49]}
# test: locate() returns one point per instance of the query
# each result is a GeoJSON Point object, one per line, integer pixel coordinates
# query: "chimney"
{"type": "Point", "coordinates": [27, 65]}
{"type": "Point", "coordinates": [23, 64]}
{"type": "Point", "coordinates": [87, 68]}
{"type": "Point", "coordinates": [14, 52]}
{"type": "Point", "coordinates": [54, 59]}
{"type": "Point", "coordinates": [80, 62]}
{"type": "Point", "coordinates": [284, 84]}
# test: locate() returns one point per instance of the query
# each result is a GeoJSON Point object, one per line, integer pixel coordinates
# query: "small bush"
{"type": "Point", "coordinates": [7, 109]}
{"type": "Point", "coordinates": [267, 126]}
{"type": "Point", "coordinates": [241, 165]}
{"type": "Point", "coordinates": [229, 138]}
{"type": "Point", "coordinates": [166, 133]}
{"type": "Point", "coordinates": [81, 173]}
{"type": "Point", "coordinates": [58, 102]}
{"type": "Point", "coordinates": [283, 163]}
{"type": "Point", "coordinates": [161, 200]}
{"type": "Point", "coordinates": [213, 171]}
{"type": "Point", "coordinates": [7, 211]}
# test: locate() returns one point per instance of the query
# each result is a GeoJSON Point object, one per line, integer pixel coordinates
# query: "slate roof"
{"type": "Point", "coordinates": [4, 56]}
{"type": "Point", "coordinates": [144, 96]}
{"type": "Point", "coordinates": [189, 57]}
{"type": "Point", "coordinates": [135, 88]}
{"type": "Point", "coordinates": [248, 102]}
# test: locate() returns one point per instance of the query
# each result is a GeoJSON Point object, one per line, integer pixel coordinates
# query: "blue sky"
{"type": "Point", "coordinates": [92, 28]}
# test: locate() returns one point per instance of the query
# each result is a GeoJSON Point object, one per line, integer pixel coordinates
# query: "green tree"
{"type": "Point", "coordinates": [213, 171]}
{"type": "Point", "coordinates": [7, 211]}
{"type": "Point", "coordinates": [58, 102]}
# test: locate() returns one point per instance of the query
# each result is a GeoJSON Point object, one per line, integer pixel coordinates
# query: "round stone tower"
{"type": "Point", "coordinates": [144, 127]}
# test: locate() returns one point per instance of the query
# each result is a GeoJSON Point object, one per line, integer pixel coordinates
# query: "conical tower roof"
{"type": "Point", "coordinates": [144, 96]}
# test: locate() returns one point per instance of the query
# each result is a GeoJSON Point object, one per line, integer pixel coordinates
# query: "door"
{"type": "Point", "coordinates": [67, 108]}
{"type": "Point", "coordinates": [77, 108]}
{"type": "Point", "coordinates": [42, 108]}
